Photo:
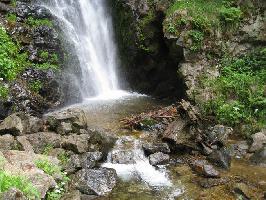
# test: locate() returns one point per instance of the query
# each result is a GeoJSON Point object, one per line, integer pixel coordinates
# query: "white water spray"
{"type": "Point", "coordinates": [88, 26]}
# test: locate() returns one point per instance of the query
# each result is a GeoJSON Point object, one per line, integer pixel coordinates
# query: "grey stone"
{"type": "Point", "coordinates": [41, 140]}
{"type": "Point", "coordinates": [96, 181]}
{"type": "Point", "coordinates": [7, 142]}
{"type": "Point", "coordinates": [122, 157]}
{"type": "Point", "coordinates": [202, 167]}
{"type": "Point", "coordinates": [259, 157]}
{"type": "Point", "coordinates": [151, 148]}
{"type": "Point", "coordinates": [159, 158]}
{"type": "Point", "coordinates": [258, 141]}
{"type": "Point", "coordinates": [12, 125]}
{"type": "Point", "coordinates": [221, 158]}
{"type": "Point", "coordinates": [76, 143]}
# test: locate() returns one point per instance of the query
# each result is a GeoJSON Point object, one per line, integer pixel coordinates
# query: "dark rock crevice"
{"type": "Point", "coordinates": [149, 60]}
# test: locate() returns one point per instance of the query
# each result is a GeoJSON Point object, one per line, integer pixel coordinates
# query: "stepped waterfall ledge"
{"type": "Point", "coordinates": [88, 27]}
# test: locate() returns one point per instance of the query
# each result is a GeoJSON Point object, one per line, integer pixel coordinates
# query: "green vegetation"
{"type": "Point", "coordinates": [197, 39]}
{"type": "Point", "coordinates": [63, 157]}
{"type": "Point", "coordinates": [8, 181]}
{"type": "Point", "coordinates": [11, 18]}
{"type": "Point", "coordinates": [240, 91]}
{"type": "Point", "coordinates": [3, 92]}
{"type": "Point", "coordinates": [32, 22]}
{"type": "Point", "coordinates": [35, 86]}
{"type": "Point", "coordinates": [52, 170]}
{"type": "Point", "coordinates": [13, 3]}
{"type": "Point", "coordinates": [11, 60]}
{"type": "Point", "coordinates": [44, 55]}
{"type": "Point", "coordinates": [201, 19]}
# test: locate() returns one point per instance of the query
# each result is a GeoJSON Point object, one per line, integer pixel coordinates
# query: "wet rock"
{"type": "Point", "coordinates": [202, 167]}
{"type": "Point", "coordinates": [57, 121]}
{"type": "Point", "coordinates": [239, 149]}
{"type": "Point", "coordinates": [45, 37]}
{"type": "Point", "coordinates": [101, 141]}
{"type": "Point", "coordinates": [217, 135]}
{"type": "Point", "coordinates": [90, 159]}
{"type": "Point", "coordinates": [178, 136]}
{"type": "Point", "coordinates": [122, 157]}
{"type": "Point", "coordinates": [35, 125]}
{"type": "Point", "coordinates": [73, 164]}
{"type": "Point", "coordinates": [221, 158]}
{"type": "Point", "coordinates": [76, 143]}
{"type": "Point", "coordinates": [259, 157]}
{"type": "Point", "coordinates": [13, 125]}
{"type": "Point", "coordinates": [159, 158]}
{"type": "Point", "coordinates": [7, 142]}
{"type": "Point", "coordinates": [96, 181]}
{"type": "Point", "coordinates": [258, 141]}
{"type": "Point", "coordinates": [12, 194]}
{"type": "Point", "coordinates": [155, 147]}
{"type": "Point", "coordinates": [212, 182]}
{"type": "Point", "coordinates": [41, 140]}
{"type": "Point", "coordinates": [189, 112]}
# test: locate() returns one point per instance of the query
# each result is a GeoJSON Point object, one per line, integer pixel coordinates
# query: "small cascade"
{"type": "Point", "coordinates": [130, 163]}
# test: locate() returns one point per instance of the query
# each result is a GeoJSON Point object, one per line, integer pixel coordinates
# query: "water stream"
{"type": "Point", "coordinates": [87, 26]}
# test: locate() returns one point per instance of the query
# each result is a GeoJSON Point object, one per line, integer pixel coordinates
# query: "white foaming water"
{"type": "Point", "coordinates": [140, 168]}
{"type": "Point", "coordinates": [88, 26]}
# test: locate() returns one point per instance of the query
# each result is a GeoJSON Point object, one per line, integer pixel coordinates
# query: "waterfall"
{"type": "Point", "coordinates": [87, 25]}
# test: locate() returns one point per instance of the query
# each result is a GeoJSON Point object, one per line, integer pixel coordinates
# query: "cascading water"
{"type": "Point", "coordinates": [88, 26]}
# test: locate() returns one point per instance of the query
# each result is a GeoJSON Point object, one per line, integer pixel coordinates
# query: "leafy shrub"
{"type": "Point", "coordinates": [240, 91]}
{"type": "Point", "coordinates": [32, 22]}
{"type": "Point", "coordinates": [44, 55]}
{"type": "Point", "coordinates": [35, 86]}
{"type": "Point", "coordinates": [11, 60]}
{"type": "Point", "coordinates": [52, 169]}
{"type": "Point", "coordinates": [197, 38]}
{"type": "Point", "coordinates": [8, 181]}
{"type": "Point", "coordinates": [11, 18]}
{"type": "Point", "coordinates": [230, 15]}
{"type": "Point", "coordinates": [13, 3]}
{"type": "Point", "coordinates": [3, 92]}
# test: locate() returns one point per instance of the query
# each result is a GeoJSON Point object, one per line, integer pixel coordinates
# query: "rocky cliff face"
{"type": "Point", "coordinates": [39, 62]}
{"type": "Point", "coordinates": [166, 51]}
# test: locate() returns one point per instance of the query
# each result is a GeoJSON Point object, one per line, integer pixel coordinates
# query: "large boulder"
{"type": "Point", "coordinates": [101, 140]}
{"type": "Point", "coordinates": [23, 163]}
{"type": "Point", "coordinates": [13, 125]}
{"type": "Point", "coordinates": [259, 157]}
{"type": "Point", "coordinates": [178, 136]}
{"type": "Point", "coordinates": [221, 158]}
{"type": "Point", "coordinates": [41, 140]}
{"type": "Point", "coordinates": [258, 141]}
{"type": "Point", "coordinates": [96, 181]}
{"type": "Point", "coordinates": [159, 158]}
{"type": "Point", "coordinates": [151, 148]}
{"type": "Point", "coordinates": [76, 143]}
{"type": "Point", "coordinates": [202, 167]}
{"type": "Point", "coordinates": [217, 135]}
{"type": "Point", "coordinates": [122, 157]}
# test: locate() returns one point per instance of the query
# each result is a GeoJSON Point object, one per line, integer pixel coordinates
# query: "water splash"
{"type": "Point", "coordinates": [87, 26]}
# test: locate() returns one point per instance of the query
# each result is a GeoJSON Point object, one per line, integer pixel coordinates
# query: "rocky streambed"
{"type": "Point", "coordinates": [170, 154]}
